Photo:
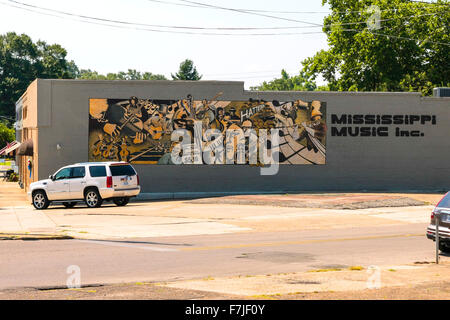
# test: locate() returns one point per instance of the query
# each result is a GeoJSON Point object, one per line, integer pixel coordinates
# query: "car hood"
{"type": "Point", "coordinates": [40, 182]}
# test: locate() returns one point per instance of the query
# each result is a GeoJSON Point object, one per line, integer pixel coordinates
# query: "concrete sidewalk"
{"type": "Point", "coordinates": [11, 195]}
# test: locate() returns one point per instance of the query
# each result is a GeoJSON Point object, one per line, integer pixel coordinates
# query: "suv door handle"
{"type": "Point", "coordinates": [83, 181]}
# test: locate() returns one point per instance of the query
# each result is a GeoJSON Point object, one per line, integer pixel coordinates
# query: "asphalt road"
{"type": "Point", "coordinates": [44, 263]}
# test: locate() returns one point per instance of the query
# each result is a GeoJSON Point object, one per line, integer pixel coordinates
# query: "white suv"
{"type": "Point", "coordinates": [92, 182]}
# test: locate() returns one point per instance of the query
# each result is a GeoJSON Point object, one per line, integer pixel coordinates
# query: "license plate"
{"type": "Point", "coordinates": [124, 181]}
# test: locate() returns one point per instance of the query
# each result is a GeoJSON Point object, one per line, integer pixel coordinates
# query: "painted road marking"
{"type": "Point", "coordinates": [281, 243]}
{"type": "Point", "coordinates": [126, 245]}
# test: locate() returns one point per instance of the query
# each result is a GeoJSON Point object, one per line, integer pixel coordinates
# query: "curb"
{"type": "Point", "coordinates": [30, 236]}
{"type": "Point", "coordinates": [145, 196]}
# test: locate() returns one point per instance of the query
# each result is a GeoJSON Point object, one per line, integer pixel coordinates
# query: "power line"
{"type": "Point", "coordinates": [8, 118]}
{"type": "Point", "coordinates": [244, 76]}
{"type": "Point", "coordinates": [398, 37]}
{"type": "Point", "coordinates": [380, 20]}
{"type": "Point", "coordinates": [144, 24]}
{"type": "Point", "coordinates": [272, 76]}
{"type": "Point", "coordinates": [275, 17]}
{"type": "Point", "coordinates": [432, 3]}
{"type": "Point", "coordinates": [279, 11]}
{"type": "Point", "coordinates": [250, 12]}
{"type": "Point", "coordinates": [129, 25]}
{"type": "Point", "coordinates": [107, 22]}
{"type": "Point", "coordinates": [17, 4]}
{"type": "Point", "coordinates": [182, 27]}
{"type": "Point", "coordinates": [263, 15]}
{"type": "Point", "coordinates": [244, 73]}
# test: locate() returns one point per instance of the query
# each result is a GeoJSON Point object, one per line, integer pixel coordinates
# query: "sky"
{"type": "Point", "coordinates": [248, 58]}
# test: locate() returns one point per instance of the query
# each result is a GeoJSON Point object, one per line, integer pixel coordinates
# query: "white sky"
{"type": "Point", "coordinates": [106, 49]}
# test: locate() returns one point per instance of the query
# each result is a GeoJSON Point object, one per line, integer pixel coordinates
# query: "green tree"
{"type": "Point", "coordinates": [131, 74]}
{"type": "Point", "coordinates": [288, 83]}
{"type": "Point", "coordinates": [187, 71]}
{"type": "Point", "coordinates": [360, 58]}
{"type": "Point", "coordinates": [6, 134]}
{"type": "Point", "coordinates": [151, 76]}
{"type": "Point", "coordinates": [22, 61]}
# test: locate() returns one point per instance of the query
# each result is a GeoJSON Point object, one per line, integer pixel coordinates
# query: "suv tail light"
{"type": "Point", "coordinates": [109, 182]}
{"type": "Point", "coordinates": [137, 176]}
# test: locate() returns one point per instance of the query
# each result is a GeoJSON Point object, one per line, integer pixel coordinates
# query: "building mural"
{"type": "Point", "coordinates": [139, 130]}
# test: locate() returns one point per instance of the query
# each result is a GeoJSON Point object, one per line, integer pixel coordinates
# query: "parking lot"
{"type": "Point", "coordinates": [257, 245]}
{"type": "Point", "coordinates": [220, 215]}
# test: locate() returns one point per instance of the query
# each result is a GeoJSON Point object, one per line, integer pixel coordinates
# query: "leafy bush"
{"type": "Point", "coordinates": [13, 177]}
{"type": "Point", "coordinates": [6, 134]}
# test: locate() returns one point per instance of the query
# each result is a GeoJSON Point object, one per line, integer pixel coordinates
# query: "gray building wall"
{"type": "Point", "coordinates": [353, 163]}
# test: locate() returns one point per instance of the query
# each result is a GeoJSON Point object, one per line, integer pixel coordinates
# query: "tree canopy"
{"type": "Point", "coordinates": [378, 45]}
{"type": "Point", "coordinates": [288, 83]}
{"type": "Point", "coordinates": [187, 71]}
{"type": "Point", "coordinates": [22, 61]}
{"type": "Point", "coordinates": [408, 52]}
{"type": "Point", "coordinates": [131, 74]}
{"type": "Point", "coordinates": [6, 134]}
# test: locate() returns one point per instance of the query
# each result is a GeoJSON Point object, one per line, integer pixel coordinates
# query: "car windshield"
{"type": "Point", "coordinates": [62, 174]}
{"type": "Point", "coordinates": [445, 202]}
{"type": "Point", "coordinates": [122, 170]}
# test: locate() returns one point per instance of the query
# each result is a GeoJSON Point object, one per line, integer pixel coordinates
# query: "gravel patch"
{"type": "Point", "coordinates": [395, 202]}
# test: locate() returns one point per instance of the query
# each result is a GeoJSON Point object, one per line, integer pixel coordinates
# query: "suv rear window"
{"type": "Point", "coordinates": [97, 171]}
{"type": "Point", "coordinates": [122, 170]}
{"type": "Point", "coordinates": [445, 202]}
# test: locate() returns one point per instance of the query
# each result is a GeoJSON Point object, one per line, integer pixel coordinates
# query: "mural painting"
{"type": "Point", "coordinates": [139, 130]}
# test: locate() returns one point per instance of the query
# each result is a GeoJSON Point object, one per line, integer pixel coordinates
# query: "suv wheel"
{"type": "Point", "coordinates": [444, 247]}
{"type": "Point", "coordinates": [40, 200]}
{"type": "Point", "coordinates": [69, 204]}
{"type": "Point", "coordinates": [121, 201]}
{"type": "Point", "coordinates": [93, 198]}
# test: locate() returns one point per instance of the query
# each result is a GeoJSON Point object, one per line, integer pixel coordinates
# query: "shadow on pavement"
{"type": "Point", "coordinates": [138, 242]}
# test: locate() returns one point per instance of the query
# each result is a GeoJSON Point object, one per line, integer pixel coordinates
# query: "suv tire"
{"type": "Point", "coordinates": [444, 247]}
{"type": "Point", "coordinates": [92, 198]}
{"type": "Point", "coordinates": [69, 205]}
{"type": "Point", "coordinates": [40, 201]}
{"type": "Point", "coordinates": [121, 201]}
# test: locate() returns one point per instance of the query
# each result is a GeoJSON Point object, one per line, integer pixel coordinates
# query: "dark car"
{"type": "Point", "coordinates": [441, 212]}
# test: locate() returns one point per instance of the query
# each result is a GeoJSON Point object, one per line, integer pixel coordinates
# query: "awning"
{"type": "Point", "coordinates": [10, 147]}
{"type": "Point", "coordinates": [2, 151]}
{"type": "Point", "coordinates": [26, 148]}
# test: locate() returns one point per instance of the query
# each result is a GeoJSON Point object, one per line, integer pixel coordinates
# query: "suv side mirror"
{"type": "Point", "coordinates": [51, 177]}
